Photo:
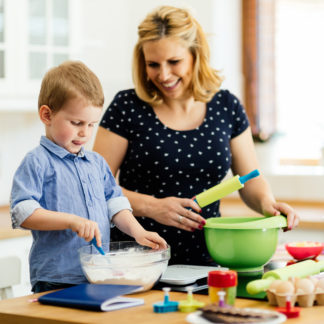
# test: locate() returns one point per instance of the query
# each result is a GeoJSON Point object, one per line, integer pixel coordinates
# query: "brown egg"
{"type": "Point", "coordinates": [285, 288]}
{"type": "Point", "coordinates": [314, 280]}
{"type": "Point", "coordinates": [293, 280]}
{"type": "Point", "coordinates": [304, 286]}
{"type": "Point", "coordinates": [274, 284]}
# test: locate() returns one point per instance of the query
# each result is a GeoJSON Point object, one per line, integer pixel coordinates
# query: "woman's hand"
{"type": "Point", "coordinates": [173, 211]}
{"type": "Point", "coordinates": [277, 208]}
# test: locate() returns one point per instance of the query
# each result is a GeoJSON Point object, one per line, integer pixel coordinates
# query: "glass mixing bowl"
{"type": "Point", "coordinates": [124, 263]}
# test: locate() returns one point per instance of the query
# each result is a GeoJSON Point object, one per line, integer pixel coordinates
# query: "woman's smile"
{"type": "Point", "coordinates": [169, 66]}
{"type": "Point", "coordinates": [171, 85]}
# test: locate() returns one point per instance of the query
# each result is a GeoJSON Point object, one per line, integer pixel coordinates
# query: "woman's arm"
{"type": "Point", "coordinates": [113, 148]}
{"type": "Point", "coordinates": [244, 160]}
{"type": "Point", "coordinates": [166, 210]}
{"type": "Point", "coordinates": [256, 193]}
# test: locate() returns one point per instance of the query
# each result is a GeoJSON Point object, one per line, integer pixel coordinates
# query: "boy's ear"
{"type": "Point", "coordinates": [45, 114]}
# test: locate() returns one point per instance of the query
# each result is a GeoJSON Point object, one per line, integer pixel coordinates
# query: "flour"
{"type": "Point", "coordinates": [131, 268]}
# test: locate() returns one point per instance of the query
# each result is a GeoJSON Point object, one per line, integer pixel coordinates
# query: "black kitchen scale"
{"type": "Point", "coordinates": [179, 277]}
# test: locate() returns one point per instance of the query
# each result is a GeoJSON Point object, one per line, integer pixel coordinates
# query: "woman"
{"type": "Point", "coordinates": [177, 134]}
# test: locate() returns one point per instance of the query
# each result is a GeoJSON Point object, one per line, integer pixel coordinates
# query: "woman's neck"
{"type": "Point", "coordinates": [181, 114]}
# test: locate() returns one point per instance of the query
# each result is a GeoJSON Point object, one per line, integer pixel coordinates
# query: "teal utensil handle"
{"type": "Point", "coordinates": [257, 286]}
{"type": "Point", "coordinates": [94, 242]}
{"type": "Point", "coordinates": [249, 176]}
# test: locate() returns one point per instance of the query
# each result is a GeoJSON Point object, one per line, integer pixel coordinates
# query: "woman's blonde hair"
{"type": "Point", "coordinates": [167, 21]}
{"type": "Point", "coordinates": [67, 81]}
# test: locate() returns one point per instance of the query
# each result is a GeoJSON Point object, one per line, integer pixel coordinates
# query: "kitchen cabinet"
{"type": "Point", "coordinates": [18, 246]}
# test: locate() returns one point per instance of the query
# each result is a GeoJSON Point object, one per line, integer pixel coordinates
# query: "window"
{"type": "Point", "coordinates": [48, 36]}
{"type": "Point", "coordinates": [299, 79]}
{"type": "Point", "coordinates": [283, 69]}
{"type": "Point", "coordinates": [32, 39]}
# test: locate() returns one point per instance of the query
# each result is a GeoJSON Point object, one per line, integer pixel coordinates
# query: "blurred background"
{"type": "Point", "coordinates": [269, 51]}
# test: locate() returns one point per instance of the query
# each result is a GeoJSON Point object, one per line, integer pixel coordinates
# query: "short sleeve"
{"type": "Point", "coordinates": [239, 118]}
{"type": "Point", "coordinates": [116, 117]}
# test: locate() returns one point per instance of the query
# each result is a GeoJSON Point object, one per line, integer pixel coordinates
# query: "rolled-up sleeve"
{"type": "Point", "coordinates": [115, 205]}
{"type": "Point", "coordinates": [22, 211]}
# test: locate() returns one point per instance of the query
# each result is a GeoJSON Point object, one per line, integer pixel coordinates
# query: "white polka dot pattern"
{"type": "Point", "coordinates": [164, 162]}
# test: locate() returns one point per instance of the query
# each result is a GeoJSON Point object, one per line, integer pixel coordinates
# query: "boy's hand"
{"type": "Point", "coordinates": [127, 223]}
{"type": "Point", "coordinates": [151, 239]}
{"type": "Point", "coordinates": [85, 228]}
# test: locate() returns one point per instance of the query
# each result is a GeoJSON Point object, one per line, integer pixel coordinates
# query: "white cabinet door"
{"type": "Point", "coordinates": [19, 247]}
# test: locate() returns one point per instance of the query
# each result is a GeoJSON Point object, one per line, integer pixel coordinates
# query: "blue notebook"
{"type": "Point", "coordinates": [93, 297]}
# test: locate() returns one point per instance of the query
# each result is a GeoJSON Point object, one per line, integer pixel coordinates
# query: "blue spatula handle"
{"type": "Point", "coordinates": [249, 176]}
{"type": "Point", "coordinates": [94, 242]}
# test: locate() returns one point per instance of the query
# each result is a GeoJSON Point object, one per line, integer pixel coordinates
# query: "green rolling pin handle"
{"type": "Point", "coordinates": [242, 179]}
{"type": "Point", "coordinates": [249, 176]}
{"type": "Point", "coordinates": [321, 265]}
{"type": "Point", "coordinates": [257, 286]}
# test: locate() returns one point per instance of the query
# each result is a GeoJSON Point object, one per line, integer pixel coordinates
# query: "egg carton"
{"type": "Point", "coordinates": [303, 300]}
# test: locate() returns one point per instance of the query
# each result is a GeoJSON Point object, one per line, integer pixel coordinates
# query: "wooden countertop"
{"type": "Point", "coordinates": [22, 310]}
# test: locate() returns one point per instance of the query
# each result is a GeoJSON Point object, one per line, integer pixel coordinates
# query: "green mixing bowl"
{"type": "Point", "coordinates": [243, 244]}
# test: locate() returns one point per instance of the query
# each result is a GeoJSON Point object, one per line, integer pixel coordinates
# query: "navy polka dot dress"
{"type": "Point", "coordinates": [164, 162]}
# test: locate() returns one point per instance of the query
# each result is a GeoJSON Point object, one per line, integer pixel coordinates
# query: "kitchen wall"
{"type": "Point", "coordinates": [107, 33]}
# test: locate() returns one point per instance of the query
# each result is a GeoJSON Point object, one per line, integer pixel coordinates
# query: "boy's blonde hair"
{"type": "Point", "coordinates": [67, 81]}
{"type": "Point", "coordinates": [168, 21]}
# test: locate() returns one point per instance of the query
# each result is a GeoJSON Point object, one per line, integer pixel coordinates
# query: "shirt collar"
{"type": "Point", "coordinates": [60, 151]}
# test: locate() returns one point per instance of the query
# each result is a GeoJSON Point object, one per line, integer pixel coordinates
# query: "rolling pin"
{"type": "Point", "coordinates": [223, 189]}
{"type": "Point", "coordinates": [301, 269]}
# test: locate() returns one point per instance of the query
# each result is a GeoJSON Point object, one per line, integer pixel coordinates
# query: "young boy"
{"type": "Point", "coordinates": [63, 193]}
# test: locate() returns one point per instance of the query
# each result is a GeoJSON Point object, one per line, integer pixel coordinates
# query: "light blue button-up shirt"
{"type": "Point", "coordinates": [50, 177]}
